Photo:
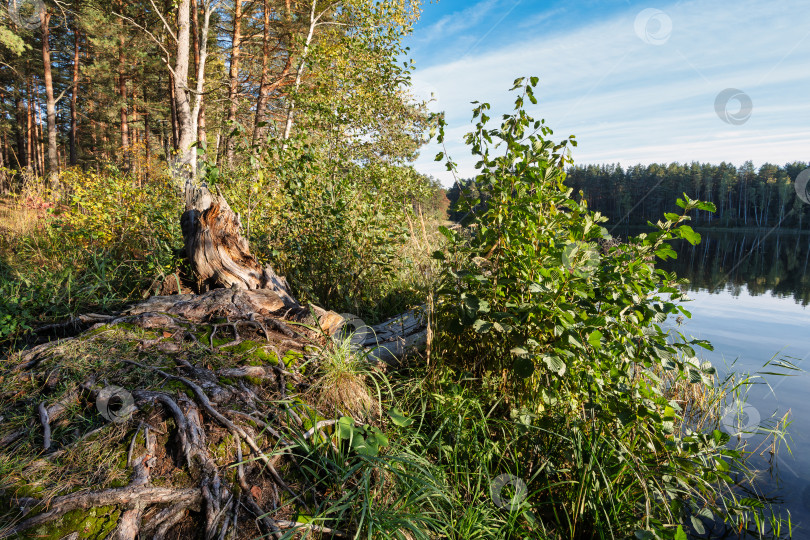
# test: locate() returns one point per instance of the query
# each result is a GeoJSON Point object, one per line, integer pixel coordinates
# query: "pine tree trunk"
{"type": "Point", "coordinates": [122, 92]}
{"type": "Point", "coordinates": [74, 97]}
{"type": "Point", "coordinates": [19, 134]}
{"type": "Point", "coordinates": [261, 103]}
{"type": "Point", "coordinates": [233, 74]}
{"type": "Point", "coordinates": [31, 135]}
{"type": "Point", "coordinates": [265, 87]}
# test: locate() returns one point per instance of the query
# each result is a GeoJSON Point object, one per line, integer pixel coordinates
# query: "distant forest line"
{"type": "Point", "coordinates": [744, 196]}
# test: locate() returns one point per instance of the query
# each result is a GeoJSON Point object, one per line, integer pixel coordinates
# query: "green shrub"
{"type": "Point", "coordinates": [336, 228]}
{"type": "Point", "coordinates": [110, 239]}
{"type": "Point", "coordinates": [562, 339]}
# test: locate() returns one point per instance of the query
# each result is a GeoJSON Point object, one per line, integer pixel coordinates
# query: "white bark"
{"type": "Point", "coordinates": [313, 23]}
{"type": "Point", "coordinates": [198, 97]}
{"type": "Point", "coordinates": [186, 164]}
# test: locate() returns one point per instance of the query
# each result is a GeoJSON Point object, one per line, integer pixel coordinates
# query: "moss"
{"type": "Point", "coordinates": [245, 347]}
{"type": "Point", "coordinates": [220, 451]}
{"type": "Point", "coordinates": [180, 387]}
{"type": "Point", "coordinates": [29, 490]}
{"type": "Point", "coordinates": [219, 338]}
{"type": "Point", "coordinates": [308, 415]}
{"type": "Point", "coordinates": [261, 355]}
{"type": "Point", "coordinates": [253, 352]}
{"type": "Point", "coordinates": [93, 524]}
{"type": "Point", "coordinates": [292, 357]}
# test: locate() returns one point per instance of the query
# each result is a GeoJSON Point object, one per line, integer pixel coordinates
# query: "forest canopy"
{"type": "Point", "coordinates": [95, 82]}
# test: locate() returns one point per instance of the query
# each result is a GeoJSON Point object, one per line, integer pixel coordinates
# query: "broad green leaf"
{"type": "Point", "coordinates": [450, 235]}
{"type": "Point", "coordinates": [345, 427]}
{"type": "Point", "coordinates": [481, 326]}
{"type": "Point", "coordinates": [399, 418]}
{"type": "Point", "coordinates": [555, 364]}
{"type": "Point", "coordinates": [706, 206]}
{"type": "Point", "coordinates": [687, 233]}
{"type": "Point", "coordinates": [698, 525]}
{"type": "Point", "coordinates": [595, 339]}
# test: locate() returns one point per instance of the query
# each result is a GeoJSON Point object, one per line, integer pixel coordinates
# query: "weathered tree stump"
{"type": "Point", "coordinates": [216, 249]}
{"type": "Point", "coordinates": [220, 257]}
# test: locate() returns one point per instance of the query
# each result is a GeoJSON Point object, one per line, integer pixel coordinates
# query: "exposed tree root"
{"type": "Point", "coordinates": [174, 431]}
{"type": "Point", "coordinates": [130, 495]}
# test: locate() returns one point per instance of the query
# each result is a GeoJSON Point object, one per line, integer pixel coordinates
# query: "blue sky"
{"type": "Point", "coordinates": [634, 86]}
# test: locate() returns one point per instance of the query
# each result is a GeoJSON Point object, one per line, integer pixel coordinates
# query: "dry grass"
{"type": "Point", "coordinates": [342, 387]}
{"type": "Point", "coordinates": [18, 219]}
{"type": "Point", "coordinates": [91, 454]}
{"type": "Point", "coordinates": [88, 464]}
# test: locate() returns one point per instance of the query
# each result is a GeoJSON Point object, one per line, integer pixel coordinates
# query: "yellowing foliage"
{"type": "Point", "coordinates": [114, 211]}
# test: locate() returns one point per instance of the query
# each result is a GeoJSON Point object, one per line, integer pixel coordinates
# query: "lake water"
{"type": "Point", "coordinates": [751, 300]}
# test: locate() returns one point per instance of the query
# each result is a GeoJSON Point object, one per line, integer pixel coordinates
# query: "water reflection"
{"type": "Point", "coordinates": [775, 263]}
{"type": "Point", "coordinates": [750, 294]}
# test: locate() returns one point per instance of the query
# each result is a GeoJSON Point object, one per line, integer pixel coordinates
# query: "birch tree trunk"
{"type": "Point", "coordinates": [200, 46]}
{"type": "Point", "coordinates": [197, 113]}
{"type": "Point", "coordinates": [186, 164]}
{"type": "Point", "coordinates": [50, 103]}
{"type": "Point", "coordinates": [313, 23]}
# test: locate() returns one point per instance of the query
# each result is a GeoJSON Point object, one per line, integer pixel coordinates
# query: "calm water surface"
{"type": "Point", "coordinates": [751, 300]}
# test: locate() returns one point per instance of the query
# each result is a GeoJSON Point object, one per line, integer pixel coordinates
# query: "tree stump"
{"type": "Point", "coordinates": [218, 253]}
{"type": "Point", "coordinates": [220, 257]}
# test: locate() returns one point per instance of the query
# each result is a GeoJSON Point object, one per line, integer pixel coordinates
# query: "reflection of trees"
{"type": "Point", "coordinates": [776, 264]}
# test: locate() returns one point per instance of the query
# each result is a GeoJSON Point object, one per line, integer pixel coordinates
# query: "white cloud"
{"type": "Point", "coordinates": [536, 20]}
{"type": "Point", "coordinates": [450, 25]}
{"type": "Point", "coordinates": [633, 102]}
